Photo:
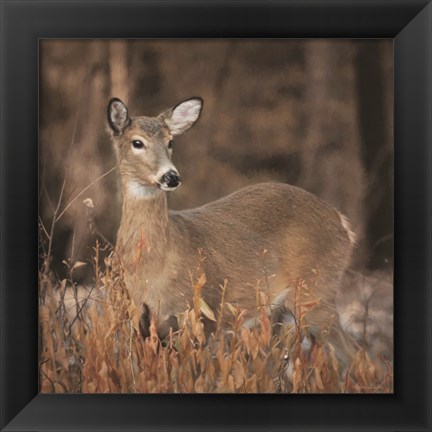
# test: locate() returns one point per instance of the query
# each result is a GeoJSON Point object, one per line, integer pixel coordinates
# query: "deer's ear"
{"type": "Point", "coordinates": [183, 116]}
{"type": "Point", "coordinates": [118, 118]}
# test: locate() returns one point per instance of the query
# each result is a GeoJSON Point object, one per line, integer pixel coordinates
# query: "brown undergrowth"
{"type": "Point", "coordinates": [90, 343]}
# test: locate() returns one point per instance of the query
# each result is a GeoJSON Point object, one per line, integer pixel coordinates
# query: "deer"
{"type": "Point", "coordinates": [303, 237]}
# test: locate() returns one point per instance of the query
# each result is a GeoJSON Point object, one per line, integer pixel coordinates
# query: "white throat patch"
{"type": "Point", "coordinates": [139, 191]}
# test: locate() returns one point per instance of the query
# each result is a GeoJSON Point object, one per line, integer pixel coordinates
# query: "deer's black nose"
{"type": "Point", "coordinates": [171, 179]}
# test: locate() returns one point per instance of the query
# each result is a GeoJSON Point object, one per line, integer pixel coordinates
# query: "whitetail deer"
{"type": "Point", "coordinates": [303, 237]}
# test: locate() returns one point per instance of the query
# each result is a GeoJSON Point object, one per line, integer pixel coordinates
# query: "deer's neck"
{"type": "Point", "coordinates": [144, 232]}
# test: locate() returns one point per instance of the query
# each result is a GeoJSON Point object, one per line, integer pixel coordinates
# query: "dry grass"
{"type": "Point", "coordinates": [90, 343]}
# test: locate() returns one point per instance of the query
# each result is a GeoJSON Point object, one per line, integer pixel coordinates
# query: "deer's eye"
{"type": "Point", "coordinates": [170, 144]}
{"type": "Point", "coordinates": [137, 144]}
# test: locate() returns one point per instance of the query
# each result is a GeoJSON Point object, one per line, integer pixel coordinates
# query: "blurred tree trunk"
{"type": "Point", "coordinates": [119, 86]}
{"type": "Point", "coordinates": [145, 77]}
{"type": "Point", "coordinates": [118, 69]}
{"type": "Point", "coordinates": [87, 149]}
{"type": "Point", "coordinates": [375, 97]}
{"type": "Point", "coordinates": [331, 158]}
{"type": "Point", "coordinates": [102, 57]}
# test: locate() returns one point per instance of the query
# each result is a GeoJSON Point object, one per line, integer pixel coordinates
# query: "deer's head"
{"type": "Point", "coordinates": [144, 145]}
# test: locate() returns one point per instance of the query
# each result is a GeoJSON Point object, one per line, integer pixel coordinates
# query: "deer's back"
{"type": "Point", "coordinates": [262, 213]}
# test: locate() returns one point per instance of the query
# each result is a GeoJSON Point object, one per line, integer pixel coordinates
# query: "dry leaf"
{"type": "Point", "coordinates": [231, 308]}
{"type": "Point", "coordinates": [205, 309]}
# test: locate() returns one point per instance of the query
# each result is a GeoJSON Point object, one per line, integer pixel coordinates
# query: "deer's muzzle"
{"type": "Point", "coordinates": [170, 179]}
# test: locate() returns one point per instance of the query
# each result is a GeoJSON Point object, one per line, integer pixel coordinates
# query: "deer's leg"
{"type": "Point", "coordinates": [163, 327]}
{"type": "Point", "coordinates": [144, 323]}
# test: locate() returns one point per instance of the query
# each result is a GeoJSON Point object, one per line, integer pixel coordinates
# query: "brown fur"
{"type": "Point", "coordinates": [265, 237]}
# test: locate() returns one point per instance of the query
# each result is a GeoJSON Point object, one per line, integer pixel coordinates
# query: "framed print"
{"type": "Point", "coordinates": [206, 299]}
{"type": "Point", "coordinates": [268, 281]}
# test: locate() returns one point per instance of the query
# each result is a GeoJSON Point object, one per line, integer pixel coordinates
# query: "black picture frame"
{"type": "Point", "coordinates": [23, 23]}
